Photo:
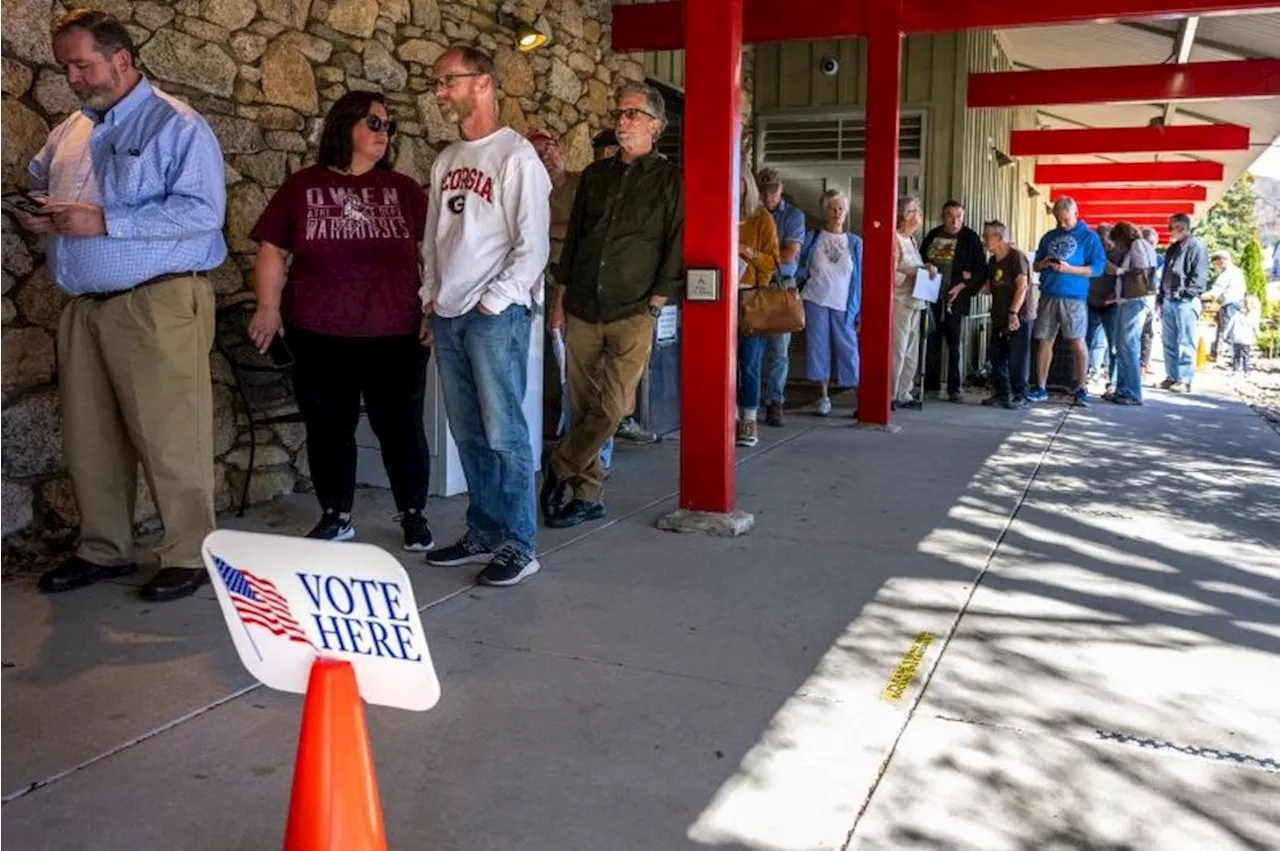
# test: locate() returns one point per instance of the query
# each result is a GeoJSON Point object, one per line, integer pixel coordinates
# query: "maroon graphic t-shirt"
{"type": "Point", "coordinates": [354, 242]}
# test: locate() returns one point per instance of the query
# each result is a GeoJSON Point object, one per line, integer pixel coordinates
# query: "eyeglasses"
{"type": "Point", "coordinates": [377, 125]}
{"type": "Point", "coordinates": [632, 114]}
{"type": "Point", "coordinates": [447, 80]}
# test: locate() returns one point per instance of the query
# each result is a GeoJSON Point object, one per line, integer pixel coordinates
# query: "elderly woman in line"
{"type": "Point", "coordinates": [906, 307]}
{"type": "Point", "coordinates": [831, 279]}
{"type": "Point", "coordinates": [759, 259]}
{"type": "Point", "coordinates": [1135, 298]}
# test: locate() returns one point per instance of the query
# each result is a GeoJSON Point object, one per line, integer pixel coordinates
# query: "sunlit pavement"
{"type": "Point", "coordinates": [990, 630]}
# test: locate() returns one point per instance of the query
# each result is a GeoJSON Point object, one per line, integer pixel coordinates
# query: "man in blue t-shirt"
{"type": "Point", "coordinates": [1068, 256]}
{"type": "Point", "coordinates": [790, 223]}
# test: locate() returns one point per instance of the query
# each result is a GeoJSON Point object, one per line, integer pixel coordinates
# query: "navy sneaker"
{"type": "Point", "coordinates": [509, 567]}
{"type": "Point", "coordinates": [1080, 399]}
{"type": "Point", "coordinates": [466, 551]}
{"type": "Point", "coordinates": [1037, 394]}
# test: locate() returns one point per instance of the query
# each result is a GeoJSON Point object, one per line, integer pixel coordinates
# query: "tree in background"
{"type": "Point", "coordinates": [1254, 278]}
{"type": "Point", "coordinates": [1231, 223]}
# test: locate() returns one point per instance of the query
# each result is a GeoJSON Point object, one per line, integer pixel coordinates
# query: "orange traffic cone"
{"type": "Point", "coordinates": [334, 805]}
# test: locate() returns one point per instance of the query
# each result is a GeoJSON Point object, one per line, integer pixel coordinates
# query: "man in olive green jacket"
{"type": "Point", "coordinates": [620, 263]}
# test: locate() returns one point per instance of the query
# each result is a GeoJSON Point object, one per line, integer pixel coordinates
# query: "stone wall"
{"type": "Point", "coordinates": [263, 72]}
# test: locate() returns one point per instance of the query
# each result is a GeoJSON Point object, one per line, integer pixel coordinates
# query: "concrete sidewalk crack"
{"type": "Point", "coordinates": [951, 631]}
{"type": "Point", "coordinates": [235, 695]}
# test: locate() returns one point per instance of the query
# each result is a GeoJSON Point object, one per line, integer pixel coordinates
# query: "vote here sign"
{"type": "Point", "coordinates": [289, 600]}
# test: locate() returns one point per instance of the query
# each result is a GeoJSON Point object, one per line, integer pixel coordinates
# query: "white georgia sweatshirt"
{"type": "Point", "coordinates": [488, 226]}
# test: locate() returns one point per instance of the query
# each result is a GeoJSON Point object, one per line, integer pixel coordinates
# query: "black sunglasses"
{"type": "Point", "coordinates": [377, 125]}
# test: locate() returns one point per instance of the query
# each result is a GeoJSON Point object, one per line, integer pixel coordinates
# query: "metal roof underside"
{"type": "Point", "coordinates": [1152, 42]}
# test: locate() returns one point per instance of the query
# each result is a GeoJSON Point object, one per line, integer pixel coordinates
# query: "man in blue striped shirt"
{"type": "Point", "coordinates": [133, 201]}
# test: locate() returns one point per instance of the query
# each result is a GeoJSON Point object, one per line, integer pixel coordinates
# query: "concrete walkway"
{"type": "Point", "coordinates": [1082, 609]}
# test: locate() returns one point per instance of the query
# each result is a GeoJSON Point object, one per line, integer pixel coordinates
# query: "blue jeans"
{"type": "Point", "coordinates": [1132, 315]}
{"type": "Point", "coordinates": [484, 363]}
{"type": "Point", "coordinates": [750, 359]}
{"type": "Point", "coordinates": [1101, 339]}
{"type": "Point", "coordinates": [1178, 327]}
{"type": "Point", "coordinates": [777, 355]}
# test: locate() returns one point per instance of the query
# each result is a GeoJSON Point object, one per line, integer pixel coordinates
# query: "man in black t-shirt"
{"type": "Point", "coordinates": [1012, 318]}
{"type": "Point", "coordinates": [956, 251]}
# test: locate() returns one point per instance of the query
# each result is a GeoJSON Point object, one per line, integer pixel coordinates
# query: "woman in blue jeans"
{"type": "Point", "coordinates": [758, 262]}
{"type": "Point", "coordinates": [1135, 293]}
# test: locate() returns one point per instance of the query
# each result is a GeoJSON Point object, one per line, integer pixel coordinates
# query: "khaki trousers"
{"type": "Point", "coordinates": [906, 349]}
{"type": "Point", "coordinates": [606, 362]}
{"type": "Point", "coordinates": [134, 381]}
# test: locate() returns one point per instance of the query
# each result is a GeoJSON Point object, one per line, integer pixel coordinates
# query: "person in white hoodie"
{"type": "Point", "coordinates": [484, 253]}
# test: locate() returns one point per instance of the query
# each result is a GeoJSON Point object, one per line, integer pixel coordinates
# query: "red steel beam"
{"type": "Point", "coordinates": [1158, 222]}
{"type": "Point", "coordinates": [879, 217]}
{"type": "Point", "coordinates": [660, 26]}
{"type": "Point", "coordinates": [712, 127]}
{"type": "Point", "coordinates": [929, 16]}
{"type": "Point", "coordinates": [1173, 172]}
{"type": "Point", "coordinates": [1124, 194]}
{"type": "Point", "coordinates": [1241, 78]}
{"type": "Point", "coordinates": [1129, 140]}
{"type": "Point", "coordinates": [1159, 208]}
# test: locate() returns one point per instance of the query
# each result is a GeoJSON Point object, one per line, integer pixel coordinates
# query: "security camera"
{"type": "Point", "coordinates": [829, 66]}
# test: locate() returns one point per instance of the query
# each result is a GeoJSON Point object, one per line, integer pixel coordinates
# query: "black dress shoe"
{"type": "Point", "coordinates": [75, 572]}
{"type": "Point", "coordinates": [577, 512]}
{"type": "Point", "coordinates": [173, 583]}
{"type": "Point", "coordinates": [551, 497]}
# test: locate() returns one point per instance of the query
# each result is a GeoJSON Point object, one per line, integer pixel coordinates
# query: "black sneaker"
{"type": "Point", "coordinates": [333, 527]}
{"type": "Point", "coordinates": [577, 512]}
{"type": "Point", "coordinates": [417, 534]}
{"type": "Point", "coordinates": [508, 567]}
{"type": "Point", "coordinates": [466, 551]}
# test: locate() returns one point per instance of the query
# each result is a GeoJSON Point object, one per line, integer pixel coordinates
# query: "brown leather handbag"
{"type": "Point", "coordinates": [765, 311]}
{"type": "Point", "coordinates": [1138, 283]}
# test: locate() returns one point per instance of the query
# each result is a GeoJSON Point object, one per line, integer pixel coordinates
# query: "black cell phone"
{"type": "Point", "coordinates": [25, 203]}
{"type": "Point", "coordinates": [279, 352]}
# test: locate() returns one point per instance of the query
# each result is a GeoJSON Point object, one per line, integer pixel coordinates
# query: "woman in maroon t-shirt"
{"type": "Point", "coordinates": [337, 275]}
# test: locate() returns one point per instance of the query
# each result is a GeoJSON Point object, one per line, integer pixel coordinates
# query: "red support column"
{"type": "Point", "coordinates": [712, 150]}
{"type": "Point", "coordinates": [880, 197]}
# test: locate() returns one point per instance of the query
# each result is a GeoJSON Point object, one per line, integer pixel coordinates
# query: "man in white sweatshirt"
{"type": "Point", "coordinates": [484, 253]}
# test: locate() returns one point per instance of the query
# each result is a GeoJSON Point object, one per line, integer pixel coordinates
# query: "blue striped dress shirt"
{"type": "Point", "coordinates": [153, 165]}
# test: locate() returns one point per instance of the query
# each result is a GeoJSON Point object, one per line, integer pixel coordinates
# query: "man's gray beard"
{"type": "Point", "coordinates": [97, 101]}
{"type": "Point", "coordinates": [454, 115]}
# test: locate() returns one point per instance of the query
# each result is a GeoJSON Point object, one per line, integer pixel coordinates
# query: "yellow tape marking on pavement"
{"type": "Point", "coordinates": [906, 670]}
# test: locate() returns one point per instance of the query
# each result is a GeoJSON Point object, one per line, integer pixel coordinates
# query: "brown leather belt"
{"type": "Point", "coordinates": [158, 279]}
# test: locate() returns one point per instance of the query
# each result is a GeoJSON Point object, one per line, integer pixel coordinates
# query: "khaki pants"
{"type": "Point", "coordinates": [606, 362]}
{"type": "Point", "coordinates": [134, 380]}
{"type": "Point", "coordinates": [906, 349]}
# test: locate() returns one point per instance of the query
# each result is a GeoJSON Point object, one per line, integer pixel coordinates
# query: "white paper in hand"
{"type": "Point", "coordinates": [927, 288]}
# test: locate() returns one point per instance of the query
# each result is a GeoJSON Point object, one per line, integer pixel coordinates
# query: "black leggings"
{"type": "Point", "coordinates": [330, 374]}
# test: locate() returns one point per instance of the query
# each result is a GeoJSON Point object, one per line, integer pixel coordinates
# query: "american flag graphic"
{"type": "Point", "coordinates": [258, 603]}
